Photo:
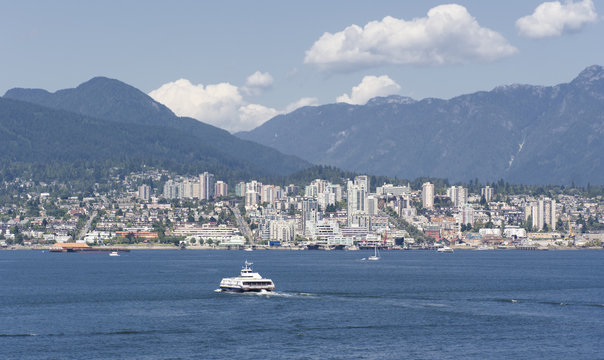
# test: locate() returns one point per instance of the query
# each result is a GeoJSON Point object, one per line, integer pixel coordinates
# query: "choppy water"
{"type": "Point", "coordinates": [414, 304]}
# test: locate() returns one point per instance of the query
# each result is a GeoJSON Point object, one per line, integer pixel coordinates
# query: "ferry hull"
{"type": "Point", "coordinates": [240, 290]}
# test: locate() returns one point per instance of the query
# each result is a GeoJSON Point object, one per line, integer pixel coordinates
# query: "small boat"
{"type": "Point", "coordinates": [114, 253]}
{"type": "Point", "coordinates": [445, 249]}
{"type": "Point", "coordinates": [247, 281]}
{"type": "Point", "coordinates": [375, 256]}
{"type": "Point", "coordinates": [248, 249]}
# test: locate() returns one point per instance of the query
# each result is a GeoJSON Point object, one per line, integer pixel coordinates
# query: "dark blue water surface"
{"type": "Point", "coordinates": [410, 304]}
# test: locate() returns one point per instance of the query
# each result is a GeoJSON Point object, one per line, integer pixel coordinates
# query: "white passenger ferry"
{"type": "Point", "coordinates": [247, 281]}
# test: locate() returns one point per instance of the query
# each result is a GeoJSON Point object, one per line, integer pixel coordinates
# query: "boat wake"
{"type": "Point", "coordinates": [270, 294]}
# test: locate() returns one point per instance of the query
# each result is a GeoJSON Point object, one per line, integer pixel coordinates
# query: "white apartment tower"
{"type": "Point", "coordinates": [542, 212]}
{"type": "Point", "coordinates": [171, 189]}
{"type": "Point", "coordinates": [357, 196]}
{"type": "Point", "coordinates": [220, 189]}
{"type": "Point", "coordinates": [487, 192]}
{"type": "Point", "coordinates": [458, 195]}
{"type": "Point", "coordinates": [428, 195]}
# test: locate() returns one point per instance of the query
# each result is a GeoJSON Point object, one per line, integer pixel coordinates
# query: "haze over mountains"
{"type": "Point", "coordinates": [521, 133]}
{"type": "Point", "coordinates": [103, 114]}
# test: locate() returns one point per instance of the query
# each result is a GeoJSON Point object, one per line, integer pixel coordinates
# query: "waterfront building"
{"type": "Point", "coordinates": [282, 230]}
{"type": "Point", "coordinates": [207, 231]}
{"type": "Point", "coordinates": [428, 195]}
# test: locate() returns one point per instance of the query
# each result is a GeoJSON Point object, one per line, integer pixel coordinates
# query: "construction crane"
{"type": "Point", "coordinates": [571, 235]}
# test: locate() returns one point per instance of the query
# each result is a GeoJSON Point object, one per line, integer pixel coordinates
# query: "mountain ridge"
{"type": "Point", "coordinates": [521, 133]}
{"type": "Point", "coordinates": [110, 99]}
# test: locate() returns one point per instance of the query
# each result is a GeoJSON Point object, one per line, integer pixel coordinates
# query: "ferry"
{"type": "Point", "coordinates": [247, 281]}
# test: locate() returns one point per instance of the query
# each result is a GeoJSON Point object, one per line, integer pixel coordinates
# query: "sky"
{"type": "Point", "coordinates": [236, 64]}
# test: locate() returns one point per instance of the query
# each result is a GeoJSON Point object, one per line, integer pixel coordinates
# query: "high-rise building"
{"type": "Point", "coordinates": [363, 181]}
{"type": "Point", "coordinates": [487, 192]}
{"type": "Point", "coordinates": [206, 183]}
{"type": "Point", "coordinates": [357, 196]}
{"type": "Point", "coordinates": [240, 189]}
{"type": "Point", "coordinates": [458, 195]}
{"type": "Point", "coordinates": [428, 195]}
{"type": "Point", "coordinates": [187, 189]}
{"type": "Point", "coordinates": [335, 189]}
{"type": "Point", "coordinates": [467, 215]}
{"type": "Point", "coordinates": [372, 204]}
{"type": "Point", "coordinates": [144, 192]}
{"type": "Point", "coordinates": [542, 213]}
{"type": "Point", "coordinates": [220, 189]}
{"type": "Point", "coordinates": [310, 214]}
{"type": "Point", "coordinates": [252, 198]}
{"type": "Point", "coordinates": [268, 194]}
{"type": "Point", "coordinates": [170, 190]}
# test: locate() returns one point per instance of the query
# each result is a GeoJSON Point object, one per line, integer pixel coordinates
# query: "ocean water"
{"type": "Point", "coordinates": [327, 305]}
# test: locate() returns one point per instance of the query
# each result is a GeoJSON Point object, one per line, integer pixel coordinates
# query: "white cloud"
{"type": "Point", "coordinates": [554, 18]}
{"type": "Point", "coordinates": [370, 87]}
{"type": "Point", "coordinates": [257, 83]}
{"type": "Point", "coordinates": [216, 104]}
{"type": "Point", "coordinates": [448, 34]}
{"type": "Point", "coordinates": [221, 105]}
{"type": "Point", "coordinates": [306, 101]}
{"type": "Point", "coordinates": [254, 115]}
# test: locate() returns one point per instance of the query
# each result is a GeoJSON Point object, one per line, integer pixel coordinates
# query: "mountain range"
{"type": "Point", "coordinates": [520, 133]}
{"type": "Point", "coordinates": [106, 120]}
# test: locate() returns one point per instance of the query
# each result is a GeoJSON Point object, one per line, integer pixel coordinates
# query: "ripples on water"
{"type": "Point", "coordinates": [328, 305]}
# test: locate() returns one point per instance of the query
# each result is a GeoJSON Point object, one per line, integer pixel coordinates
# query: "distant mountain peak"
{"type": "Point", "coordinates": [590, 74]}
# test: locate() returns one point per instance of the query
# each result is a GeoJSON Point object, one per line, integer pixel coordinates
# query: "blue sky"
{"type": "Point", "coordinates": [235, 64]}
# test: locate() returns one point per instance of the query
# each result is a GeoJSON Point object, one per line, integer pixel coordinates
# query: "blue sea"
{"type": "Point", "coordinates": [327, 305]}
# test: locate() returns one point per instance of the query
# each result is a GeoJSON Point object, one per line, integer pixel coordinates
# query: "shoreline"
{"type": "Point", "coordinates": [266, 247]}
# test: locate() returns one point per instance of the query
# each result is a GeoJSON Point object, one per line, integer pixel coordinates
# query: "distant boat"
{"type": "Point", "coordinates": [375, 256]}
{"type": "Point", "coordinates": [114, 253]}
{"type": "Point", "coordinates": [484, 247]}
{"type": "Point", "coordinates": [445, 249]}
{"type": "Point", "coordinates": [248, 249]}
